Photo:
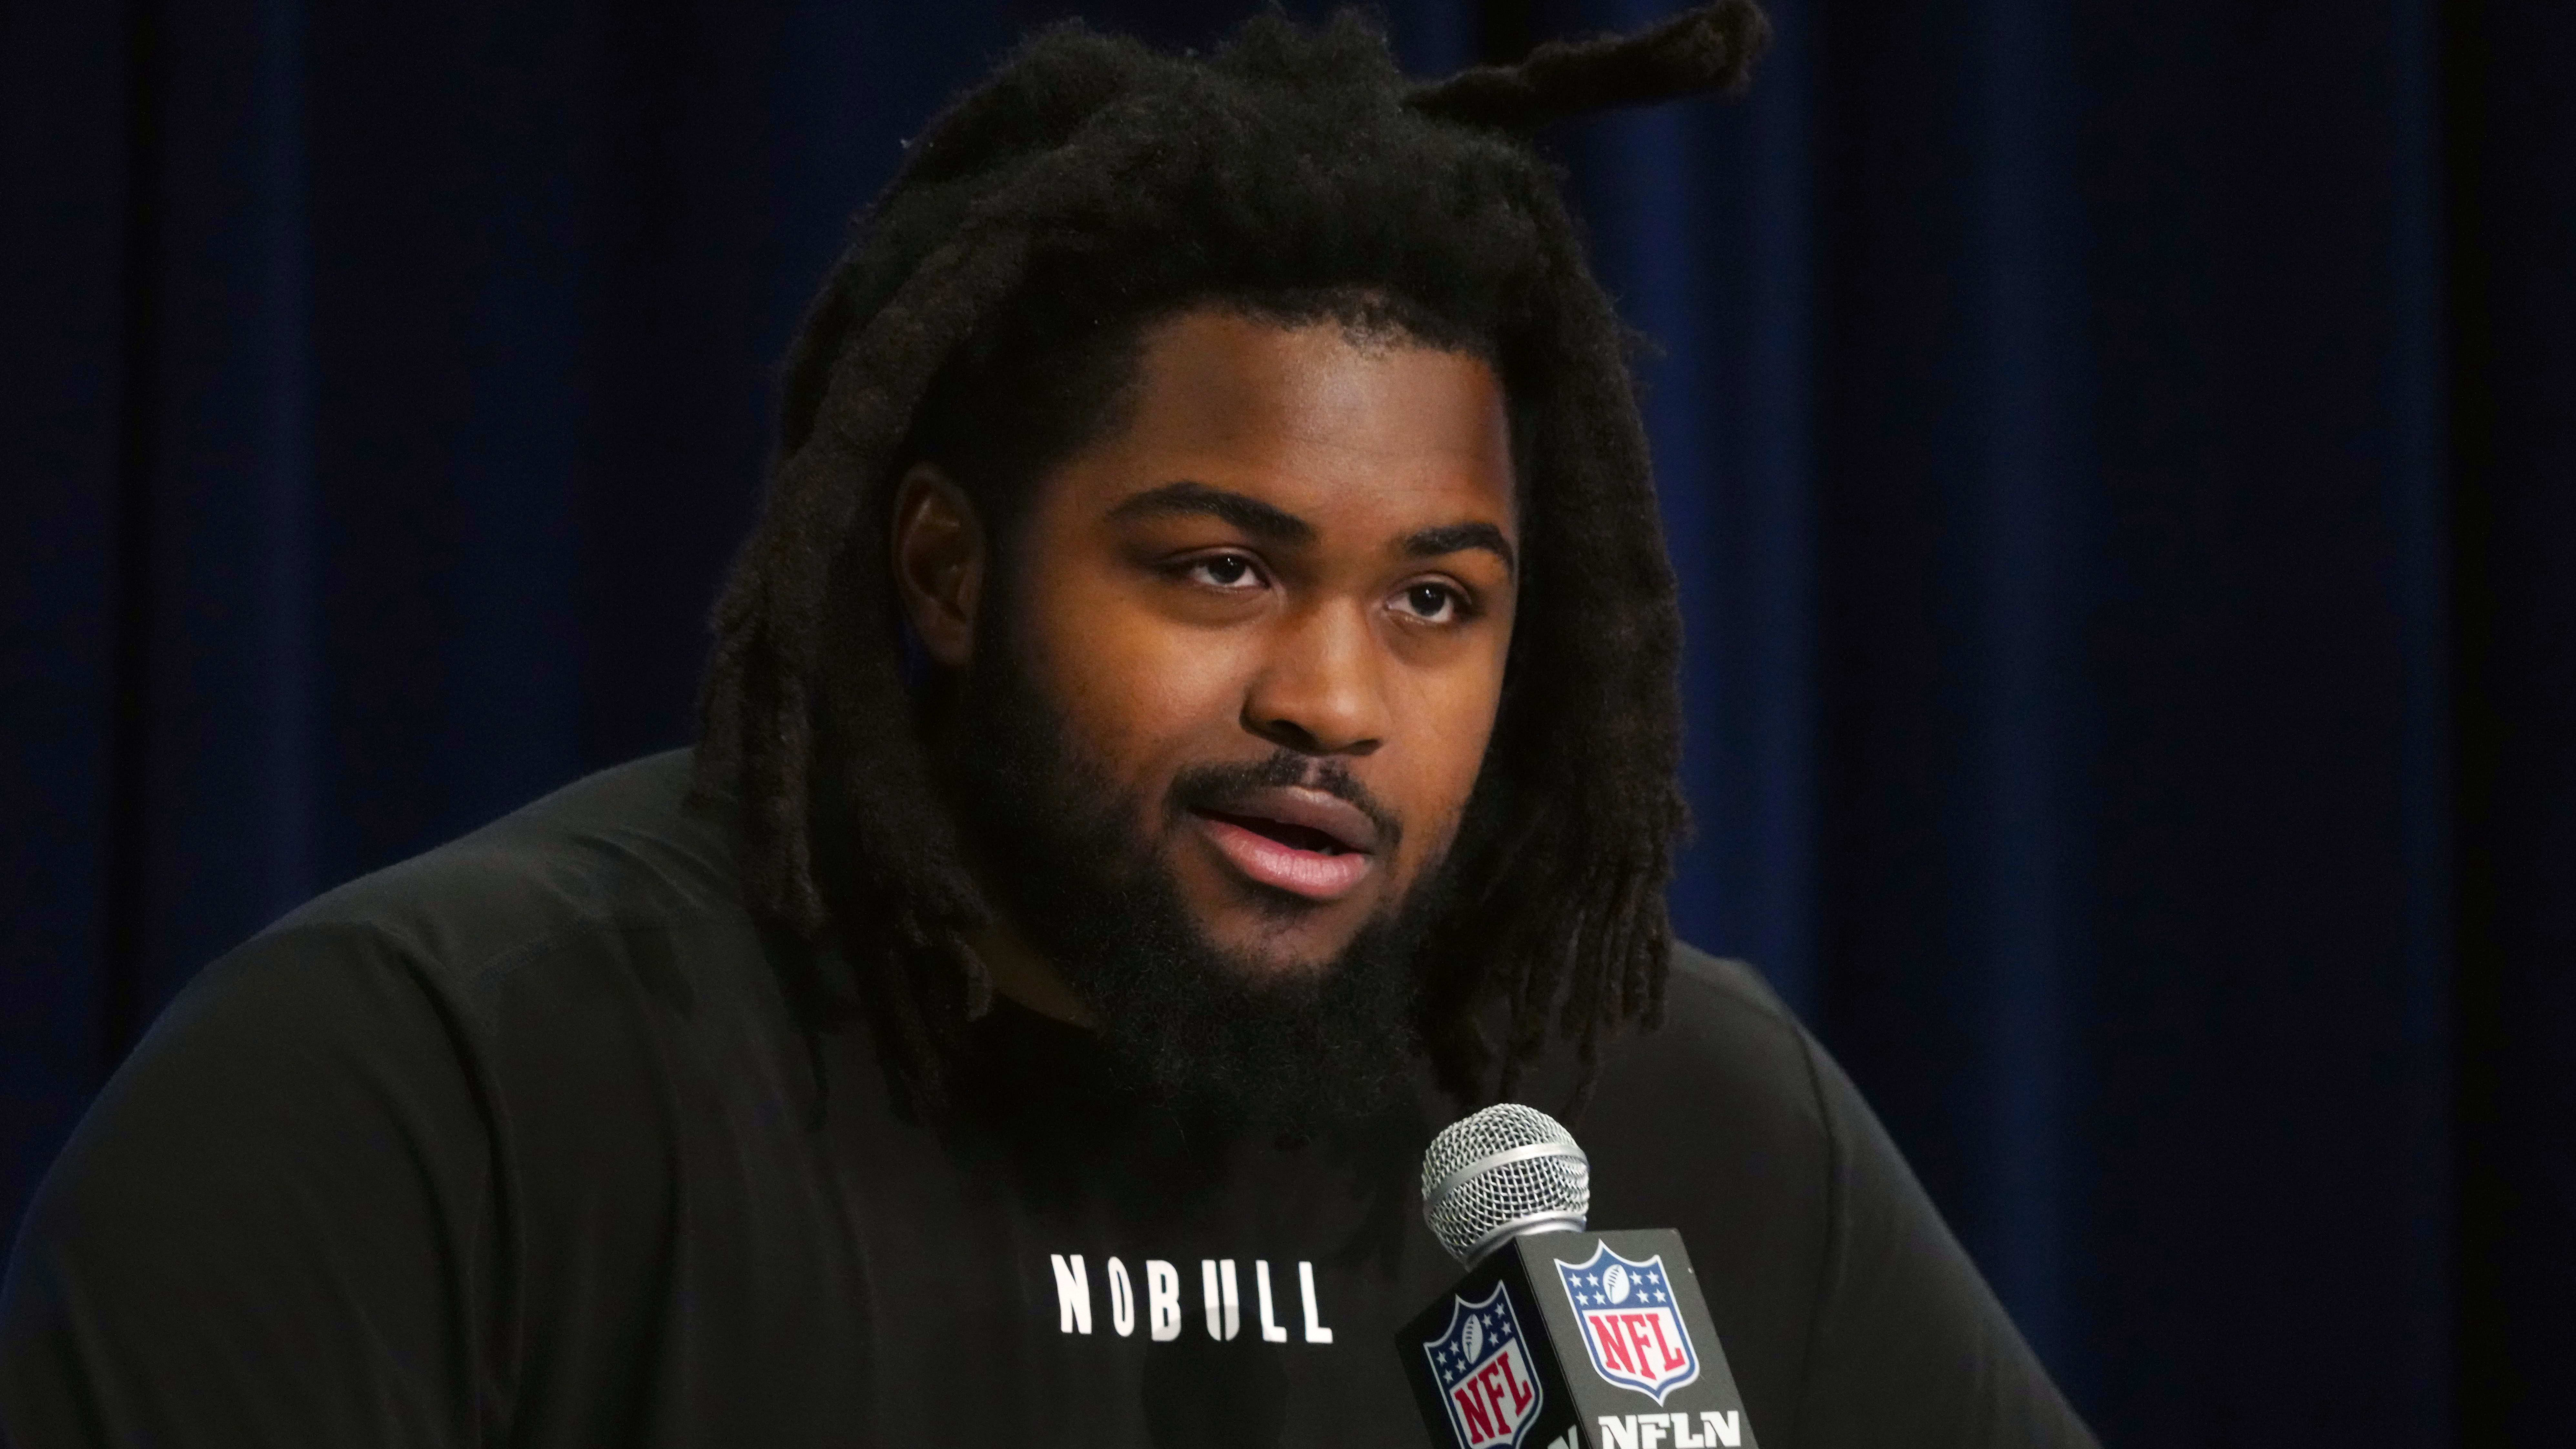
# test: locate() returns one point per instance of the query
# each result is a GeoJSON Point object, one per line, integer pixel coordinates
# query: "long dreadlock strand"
{"type": "Point", "coordinates": [1706, 48]}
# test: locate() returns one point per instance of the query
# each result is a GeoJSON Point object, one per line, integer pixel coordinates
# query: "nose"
{"type": "Point", "coordinates": [1322, 691]}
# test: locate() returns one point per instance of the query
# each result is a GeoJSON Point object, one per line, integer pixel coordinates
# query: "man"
{"type": "Point", "coordinates": [1196, 713]}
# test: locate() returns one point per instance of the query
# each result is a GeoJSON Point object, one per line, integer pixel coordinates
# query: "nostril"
{"type": "Point", "coordinates": [1291, 734]}
{"type": "Point", "coordinates": [1288, 733]}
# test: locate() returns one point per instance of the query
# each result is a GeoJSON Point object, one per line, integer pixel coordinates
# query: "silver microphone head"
{"type": "Point", "coordinates": [1502, 1172]}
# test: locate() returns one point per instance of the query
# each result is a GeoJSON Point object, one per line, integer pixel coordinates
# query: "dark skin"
{"type": "Point", "coordinates": [1299, 541]}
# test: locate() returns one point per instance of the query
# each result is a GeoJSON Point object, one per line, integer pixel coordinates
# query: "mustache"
{"type": "Point", "coordinates": [1215, 786]}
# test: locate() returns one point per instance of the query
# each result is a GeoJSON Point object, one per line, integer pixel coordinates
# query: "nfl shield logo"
{"type": "Point", "coordinates": [1631, 1327]}
{"type": "Point", "coordinates": [1483, 1369]}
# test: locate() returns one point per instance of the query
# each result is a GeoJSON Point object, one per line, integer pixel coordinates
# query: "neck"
{"type": "Point", "coordinates": [1026, 977]}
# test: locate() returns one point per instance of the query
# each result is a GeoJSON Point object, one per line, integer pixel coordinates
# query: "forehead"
{"type": "Point", "coordinates": [1313, 418]}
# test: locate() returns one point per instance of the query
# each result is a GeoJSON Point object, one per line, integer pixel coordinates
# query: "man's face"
{"type": "Point", "coordinates": [1270, 616]}
{"type": "Point", "coordinates": [1219, 711]}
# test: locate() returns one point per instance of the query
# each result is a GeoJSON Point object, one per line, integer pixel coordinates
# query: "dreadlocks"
{"type": "Point", "coordinates": [986, 317]}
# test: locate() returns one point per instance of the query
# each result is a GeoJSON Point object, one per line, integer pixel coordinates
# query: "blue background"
{"type": "Point", "coordinates": [2121, 460]}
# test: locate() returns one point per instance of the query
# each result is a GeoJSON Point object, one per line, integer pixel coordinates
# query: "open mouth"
{"type": "Point", "coordinates": [1294, 836]}
{"type": "Point", "coordinates": [1299, 842]}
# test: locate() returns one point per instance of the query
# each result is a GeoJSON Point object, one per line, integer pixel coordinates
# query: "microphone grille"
{"type": "Point", "coordinates": [1505, 1170]}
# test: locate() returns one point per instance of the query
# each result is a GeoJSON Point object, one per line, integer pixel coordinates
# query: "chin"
{"type": "Point", "coordinates": [1265, 957]}
{"type": "Point", "coordinates": [1269, 947]}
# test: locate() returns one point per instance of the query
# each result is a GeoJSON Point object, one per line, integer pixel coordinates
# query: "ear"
{"type": "Point", "coordinates": [940, 554]}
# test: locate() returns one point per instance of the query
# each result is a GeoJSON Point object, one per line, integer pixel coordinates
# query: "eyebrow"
{"type": "Point", "coordinates": [1262, 520]}
{"type": "Point", "coordinates": [1456, 537]}
{"type": "Point", "coordinates": [1274, 524]}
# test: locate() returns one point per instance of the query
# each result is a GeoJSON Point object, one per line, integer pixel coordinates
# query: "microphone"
{"type": "Point", "coordinates": [1557, 1338]}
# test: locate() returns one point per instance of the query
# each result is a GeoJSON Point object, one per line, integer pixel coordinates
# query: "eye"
{"type": "Point", "coordinates": [1433, 603]}
{"type": "Point", "coordinates": [1231, 571]}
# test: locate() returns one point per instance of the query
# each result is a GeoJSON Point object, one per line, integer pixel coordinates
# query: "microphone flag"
{"type": "Point", "coordinates": [1632, 1326]}
{"type": "Point", "coordinates": [1575, 1340]}
{"type": "Point", "coordinates": [1487, 1382]}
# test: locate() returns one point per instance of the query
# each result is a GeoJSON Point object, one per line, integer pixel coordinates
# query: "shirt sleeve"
{"type": "Point", "coordinates": [1911, 1346]}
{"type": "Point", "coordinates": [273, 1226]}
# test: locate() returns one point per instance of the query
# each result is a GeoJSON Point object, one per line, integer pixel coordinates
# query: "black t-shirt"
{"type": "Point", "coordinates": [524, 1142]}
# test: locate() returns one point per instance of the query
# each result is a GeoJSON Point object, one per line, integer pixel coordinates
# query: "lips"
{"type": "Point", "coordinates": [1290, 838]}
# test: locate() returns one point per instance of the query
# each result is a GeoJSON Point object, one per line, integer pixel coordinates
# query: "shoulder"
{"type": "Point", "coordinates": [1726, 1045]}
{"type": "Point", "coordinates": [1708, 993]}
{"type": "Point", "coordinates": [543, 966]}
{"type": "Point", "coordinates": [597, 910]}
{"type": "Point", "coordinates": [552, 997]}
{"type": "Point", "coordinates": [1827, 1268]}
{"type": "Point", "coordinates": [1718, 1115]}
{"type": "Point", "coordinates": [349, 1129]}
{"type": "Point", "coordinates": [617, 851]}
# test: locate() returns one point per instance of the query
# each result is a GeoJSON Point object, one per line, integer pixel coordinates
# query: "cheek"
{"type": "Point", "coordinates": [1136, 690]}
{"type": "Point", "coordinates": [1449, 720]}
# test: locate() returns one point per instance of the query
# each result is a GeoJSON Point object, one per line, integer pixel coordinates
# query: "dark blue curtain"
{"type": "Point", "coordinates": [2121, 461]}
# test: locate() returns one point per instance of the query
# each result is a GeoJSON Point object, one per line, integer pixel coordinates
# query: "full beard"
{"type": "Point", "coordinates": [1189, 1023]}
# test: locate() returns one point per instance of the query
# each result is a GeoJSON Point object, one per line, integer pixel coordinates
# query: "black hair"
{"type": "Point", "coordinates": [1054, 371]}
{"type": "Point", "coordinates": [987, 313]}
